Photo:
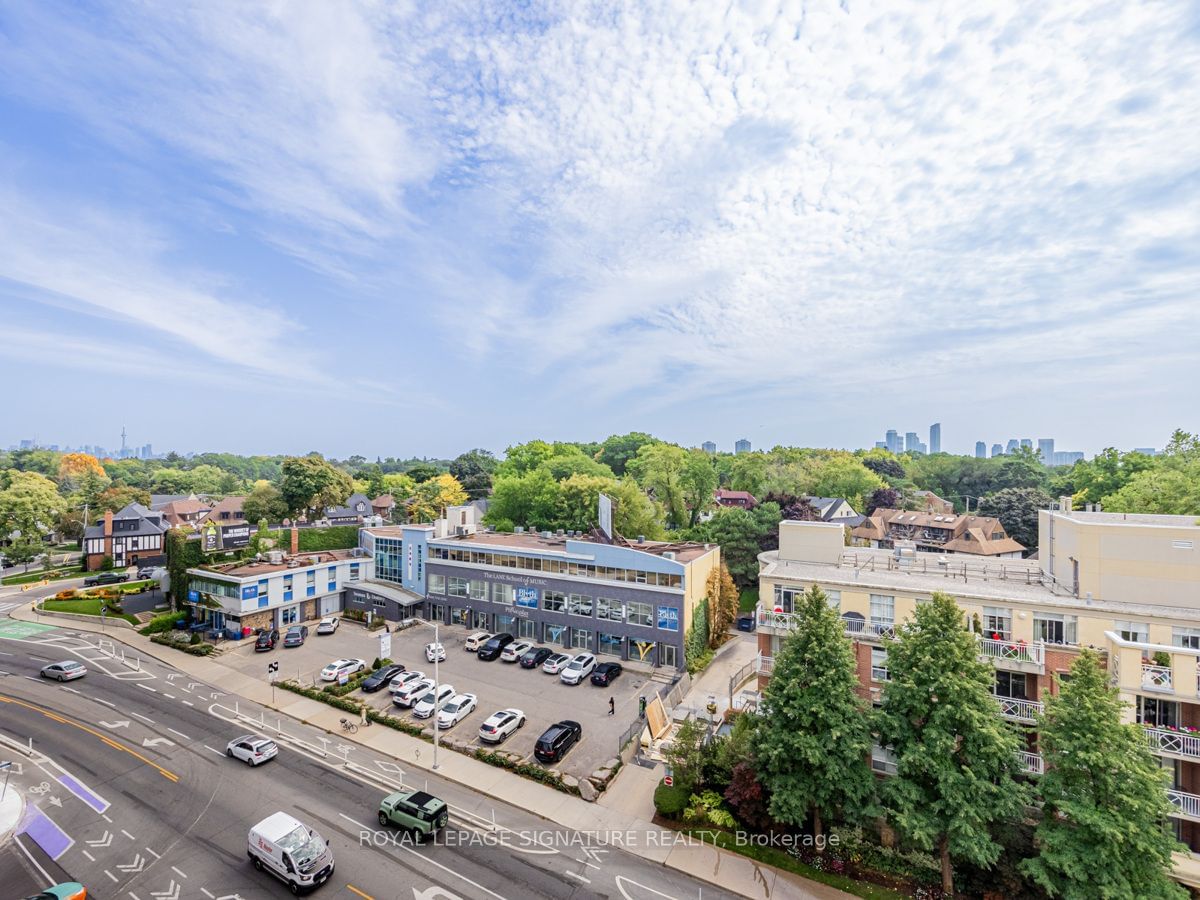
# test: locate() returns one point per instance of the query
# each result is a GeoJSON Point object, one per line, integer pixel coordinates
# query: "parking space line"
{"type": "Point", "coordinates": [207, 893]}
{"type": "Point", "coordinates": [29, 856]}
{"type": "Point", "coordinates": [111, 875]}
{"type": "Point", "coordinates": [89, 856]}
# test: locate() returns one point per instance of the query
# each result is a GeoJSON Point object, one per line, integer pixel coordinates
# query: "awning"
{"type": "Point", "coordinates": [388, 591]}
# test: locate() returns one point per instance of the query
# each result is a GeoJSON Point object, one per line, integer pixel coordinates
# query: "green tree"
{"type": "Point", "coordinates": [685, 754]}
{"type": "Point", "coordinates": [578, 499]}
{"type": "Point", "coordinates": [659, 468]}
{"type": "Point", "coordinates": [698, 481]}
{"type": "Point", "coordinates": [1106, 473]}
{"type": "Point", "coordinates": [723, 598]}
{"type": "Point", "coordinates": [431, 498]}
{"type": "Point", "coordinates": [1103, 831]}
{"type": "Point", "coordinates": [29, 504]}
{"type": "Point", "coordinates": [813, 741]}
{"type": "Point", "coordinates": [117, 497]}
{"type": "Point", "coordinates": [522, 458]}
{"type": "Point", "coordinates": [742, 535]}
{"type": "Point", "coordinates": [23, 550]}
{"type": "Point", "coordinates": [634, 513]}
{"type": "Point", "coordinates": [1169, 489]}
{"type": "Point", "coordinates": [955, 758]}
{"type": "Point", "coordinates": [748, 472]}
{"type": "Point", "coordinates": [575, 462]}
{"type": "Point", "coordinates": [619, 449]}
{"type": "Point", "coordinates": [399, 485]}
{"type": "Point", "coordinates": [1017, 510]}
{"type": "Point", "coordinates": [310, 483]}
{"type": "Point", "coordinates": [473, 470]}
{"type": "Point", "coordinates": [844, 476]}
{"type": "Point", "coordinates": [264, 502]}
{"type": "Point", "coordinates": [530, 500]}
{"type": "Point", "coordinates": [696, 641]}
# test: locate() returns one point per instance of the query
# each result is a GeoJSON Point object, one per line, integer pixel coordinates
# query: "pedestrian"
{"type": "Point", "coordinates": [363, 713]}
{"type": "Point", "coordinates": [612, 707]}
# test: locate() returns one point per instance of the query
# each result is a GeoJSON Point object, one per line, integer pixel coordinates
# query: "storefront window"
{"type": "Point", "coordinates": [506, 625]}
{"type": "Point", "coordinates": [579, 605]}
{"type": "Point", "coordinates": [639, 614]}
{"type": "Point", "coordinates": [668, 655]}
{"type": "Point", "coordinates": [555, 633]}
{"type": "Point", "coordinates": [610, 644]}
{"type": "Point", "coordinates": [459, 616]}
{"type": "Point", "coordinates": [437, 584]}
{"type": "Point", "coordinates": [479, 620]}
{"type": "Point", "coordinates": [610, 610]}
{"type": "Point", "coordinates": [581, 639]}
{"type": "Point", "coordinates": [527, 629]}
{"type": "Point", "coordinates": [554, 601]}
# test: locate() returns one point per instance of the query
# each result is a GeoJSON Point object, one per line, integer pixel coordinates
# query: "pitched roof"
{"type": "Point", "coordinates": [384, 500]}
{"type": "Point", "coordinates": [723, 494]}
{"type": "Point", "coordinates": [968, 534]}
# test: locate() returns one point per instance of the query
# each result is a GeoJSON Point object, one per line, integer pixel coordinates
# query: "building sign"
{"type": "Point", "coordinates": [235, 536]}
{"type": "Point", "coordinates": [193, 596]}
{"type": "Point", "coordinates": [385, 645]}
{"type": "Point", "coordinates": [526, 597]}
{"type": "Point", "coordinates": [668, 618]}
{"type": "Point", "coordinates": [410, 551]}
{"type": "Point", "coordinates": [249, 591]}
{"type": "Point", "coordinates": [512, 579]}
{"type": "Point", "coordinates": [211, 539]}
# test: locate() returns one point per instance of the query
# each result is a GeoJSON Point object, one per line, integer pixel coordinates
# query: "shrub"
{"type": "Point", "coordinates": [375, 665]}
{"type": "Point", "coordinates": [670, 800]}
{"type": "Point", "coordinates": [65, 595]}
{"type": "Point", "coordinates": [160, 624]}
{"type": "Point", "coordinates": [708, 809]}
{"type": "Point", "coordinates": [195, 638]}
{"type": "Point", "coordinates": [106, 564]}
{"type": "Point", "coordinates": [194, 649]}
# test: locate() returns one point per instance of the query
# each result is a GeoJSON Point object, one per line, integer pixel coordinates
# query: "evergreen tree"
{"type": "Point", "coordinates": [1104, 826]}
{"type": "Point", "coordinates": [955, 758]}
{"type": "Point", "coordinates": [814, 739]}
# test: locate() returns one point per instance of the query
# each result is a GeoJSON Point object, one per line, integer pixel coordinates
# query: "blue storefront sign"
{"type": "Point", "coordinates": [526, 597]}
{"type": "Point", "coordinates": [668, 618]}
{"type": "Point", "coordinates": [193, 596]}
{"type": "Point", "coordinates": [249, 591]}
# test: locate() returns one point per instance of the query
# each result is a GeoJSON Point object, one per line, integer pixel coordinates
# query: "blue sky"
{"type": "Point", "coordinates": [417, 228]}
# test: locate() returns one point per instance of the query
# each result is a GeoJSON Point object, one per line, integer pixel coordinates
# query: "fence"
{"type": "Point", "coordinates": [629, 744]}
{"type": "Point", "coordinates": [672, 694]}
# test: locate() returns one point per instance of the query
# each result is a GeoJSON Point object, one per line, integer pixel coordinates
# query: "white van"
{"type": "Point", "coordinates": [291, 851]}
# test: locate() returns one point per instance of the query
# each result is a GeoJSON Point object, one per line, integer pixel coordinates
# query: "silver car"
{"type": "Point", "coordinates": [68, 670]}
{"type": "Point", "coordinates": [252, 749]}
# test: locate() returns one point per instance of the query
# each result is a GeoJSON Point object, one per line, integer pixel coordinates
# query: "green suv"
{"type": "Point", "coordinates": [415, 811]}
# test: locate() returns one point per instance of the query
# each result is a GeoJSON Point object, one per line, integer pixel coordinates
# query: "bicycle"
{"type": "Point", "coordinates": [349, 726]}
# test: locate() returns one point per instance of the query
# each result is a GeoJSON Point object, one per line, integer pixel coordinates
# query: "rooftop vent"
{"type": "Point", "coordinates": [641, 539]}
{"type": "Point", "coordinates": [547, 534]}
{"type": "Point", "coordinates": [668, 554]}
{"type": "Point", "coordinates": [520, 529]}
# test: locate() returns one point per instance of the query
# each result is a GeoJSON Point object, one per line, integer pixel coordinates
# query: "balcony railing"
{"type": "Point", "coordinates": [1019, 710]}
{"type": "Point", "coordinates": [765, 617]}
{"type": "Point", "coordinates": [1031, 763]}
{"type": "Point", "coordinates": [1016, 651]}
{"type": "Point", "coordinates": [1187, 806]}
{"type": "Point", "coordinates": [1157, 678]}
{"type": "Point", "coordinates": [1163, 740]}
{"type": "Point", "coordinates": [764, 665]}
{"type": "Point", "coordinates": [768, 618]}
{"type": "Point", "coordinates": [856, 627]}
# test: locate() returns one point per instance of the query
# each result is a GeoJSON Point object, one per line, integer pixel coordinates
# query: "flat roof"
{"type": "Point", "coordinates": [248, 568]}
{"type": "Point", "coordinates": [1117, 518]}
{"type": "Point", "coordinates": [685, 551]}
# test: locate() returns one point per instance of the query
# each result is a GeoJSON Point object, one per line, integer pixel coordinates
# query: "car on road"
{"type": "Point", "coordinates": [458, 708]}
{"type": "Point", "coordinates": [605, 673]}
{"type": "Point", "coordinates": [252, 749]}
{"type": "Point", "coordinates": [494, 646]}
{"type": "Point", "coordinates": [328, 625]}
{"type": "Point", "coordinates": [557, 740]}
{"type": "Point", "coordinates": [535, 656]}
{"type": "Point", "coordinates": [404, 679]}
{"type": "Point", "coordinates": [296, 635]}
{"type": "Point", "coordinates": [435, 652]}
{"type": "Point", "coordinates": [476, 640]}
{"type": "Point", "coordinates": [67, 890]}
{"type": "Point", "coordinates": [499, 725]}
{"type": "Point", "coordinates": [381, 678]}
{"type": "Point", "coordinates": [105, 578]}
{"type": "Point", "coordinates": [340, 667]}
{"type": "Point", "coordinates": [433, 700]}
{"type": "Point", "coordinates": [515, 651]}
{"type": "Point", "coordinates": [291, 851]}
{"type": "Point", "coordinates": [421, 814]}
{"type": "Point", "coordinates": [578, 669]}
{"type": "Point", "coordinates": [67, 670]}
{"type": "Point", "coordinates": [555, 663]}
{"type": "Point", "coordinates": [266, 640]}
{"type": "Point", "coordinates": [411, 693]}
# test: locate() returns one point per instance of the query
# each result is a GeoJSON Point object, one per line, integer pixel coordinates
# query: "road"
{"type": "Point", "coordinates": [139, 801]}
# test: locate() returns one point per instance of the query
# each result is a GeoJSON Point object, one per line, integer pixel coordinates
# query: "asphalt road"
{"type": "Point", "coordinates": [140, 802]}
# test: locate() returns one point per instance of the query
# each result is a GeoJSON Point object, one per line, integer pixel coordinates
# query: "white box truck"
{"type": "Point", "coordinates": [291, 851]}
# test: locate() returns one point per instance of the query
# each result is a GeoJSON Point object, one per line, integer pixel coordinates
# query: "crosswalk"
{"type": "Point", "coordinates": [5, 607]}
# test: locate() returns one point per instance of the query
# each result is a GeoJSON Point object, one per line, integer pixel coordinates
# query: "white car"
{"type": "Point", "coordinates": [476, 640]}
{"type": "Point", "coordinates": [340, 667]}
{"type": "Point", "coordinates": [500, 725]}
{"type": "Point", "coordinates": [555, 663]}
{"type": "Point", "coordinates": [578, 669]}
{"type": "Point", "coordinates": [412, 692]}
{"type": "Point", "coordinates": [427, 704]}
{"type": "Point", "coordinates": [403, 680]}
{"type": "Point", "coordinates": [435, 653]}
{"type": "Point", "coordinates": [68, 670]}
{"type": "Point", "coordinates": [515, 651]}
{"type": "Point", "coordinates": [328, 625]}
{"type": "Point", "coordinates": [456, 710]}
{"type": "Point", "coordinates": [252, 749]}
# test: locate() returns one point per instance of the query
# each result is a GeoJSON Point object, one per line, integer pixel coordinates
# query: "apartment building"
{"type": "Point", "coordinates": [938, 532]}
{"type": "Point", "coordinates": [1128, 586]}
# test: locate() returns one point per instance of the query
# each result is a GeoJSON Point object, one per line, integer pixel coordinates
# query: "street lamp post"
{"type": "Point", "coordinates": [436, 687]}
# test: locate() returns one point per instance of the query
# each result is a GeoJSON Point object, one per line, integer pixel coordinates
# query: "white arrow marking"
{"type": "Point", "coordinates": [121, 724]}
{"type": "Point", "coordinates": [593, 852]}
{"type": "Point", "coordinates": [154, 742]}
{"type": "Point", "coordinates": [135, 866]}
{"type": "Point", "coordinates": [194, 684]}
{"type": "Point", "coordinates": [434, 893]}
{"type": "Point", "coordinates": [54, 801]}
{"type": "Point", "coordinates": [171, 893]}
{"type": "Point", "coordinates": [102, 841]}
{"type": "Point", "coordinates": [231, 897]}
{"type": "Point", "coordinates": [173, 676]}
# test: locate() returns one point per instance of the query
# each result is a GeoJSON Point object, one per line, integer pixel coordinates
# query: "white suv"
{"type": "Point", "coordinates": [428, 704]}
{"type": "Point", "coordinates": [578, 669]}
{"type": "Point", "coordinates": [476, 640]}
{"type": "Point", "coordinates": [513, 652]}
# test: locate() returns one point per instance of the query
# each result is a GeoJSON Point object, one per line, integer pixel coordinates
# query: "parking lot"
{"type": "Point", "coordinates": [499, 685]}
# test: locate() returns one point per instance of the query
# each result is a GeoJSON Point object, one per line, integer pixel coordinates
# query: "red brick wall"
{"type": "Point", "coordinates": [862, 659]}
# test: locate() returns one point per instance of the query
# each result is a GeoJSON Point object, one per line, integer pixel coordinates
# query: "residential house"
{"type": "Point", "coordinates": [933, 504]}
{"type": "Point", "coordinates": [836, 509]}
{"type": "Point", "coordinates": [352, 512]}
{"type": "Point", "coordinates": [976, 535]}
{"type": "Point", "coordinates": [187, 512]}
{"type": "Point", "coordinates": [383, 506]}
{"type": "Point", "coordinates": [740, 499]}
{"type": "Point", "coordinates": [132, 537]}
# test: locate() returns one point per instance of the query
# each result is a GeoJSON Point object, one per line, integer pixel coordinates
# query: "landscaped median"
{"type": "Point", "coordinates": [91, 602]}
{"type": "Point", "coordinates": [53, 575]}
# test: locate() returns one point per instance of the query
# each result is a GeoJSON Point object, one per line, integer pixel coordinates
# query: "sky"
{"type": "Point", "coordinates": [415, 228]}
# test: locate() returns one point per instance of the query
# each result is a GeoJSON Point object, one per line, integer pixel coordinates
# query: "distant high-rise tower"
{"type": "Point", "coordinates": [911, 443]}
{"type": "Point", "coordinates": [1046, 450]}
{"type": "Point", "coordinates": [881, 445]}
{"type": "Point", "coordinates": [1026, 442]}
{"type": "Point", "coordinates": [997, 450]}
{"type": "Point", "coordinates": [741, 446]}
{"type": "Point", "coordinates": [935, 437]}
{"type": "Point", "coordinates": [707, 447]}
{"type": "Point", "coordinates": [980, 450]}
{"type": "Point", "coordinates": [893, 441]}
{"type": "Point", "coordinates": [1013, 444]}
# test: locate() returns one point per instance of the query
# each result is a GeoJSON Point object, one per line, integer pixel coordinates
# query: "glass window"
{"type": "Point", "coordinates": [437, 584]}
{"type": "Point", "coordinates": [787, 599]}
{"type": "Point", "coordinates": [1186, 637]}
{"type": "Point", "coordinates": [354, 571]}
{"type": "Point", "coordinates": [1157, 713]}
{"type": "Point", "coordinates": [1134, 631]}
{"type": "Point", "coordinates": [554, 601]}
{"type": "Point", "coordinates": [506, 625]}
{"type": "Point", "coordinates": [579, 605]}
{"type": "Point", "coordinates": [668, 655]}
{"type": "Point", "coordinates": [834, 599]}
{"type": "Point", "coordinates": [879, 670]}
{"type": "Point", "coordinates": [668, 618]}
{"type": "Point", "coordinates": [883, 613]}
{"type": "Point", "coordinates": [639, 614]}
{"type": "Point", "coordinates": [458, 587]}
{"type": "Point", "coordinates": [460, 616]}
{"type": "Point", "coordinates": [289, 615]}
{"type": "Point", "coordinates": [479, 620]}
{"type": "Point", "coordinates": [528, 629]}
{"type": "Point", "coordinates": [883, 760]}
{"type": "Point", "coordinates": [1012, 685]}
{"type": "Point", "coordinates": [1054, 628]}
{"type": "Point", "coordinates": [610, 644]}
{"type": "Point", "coordinates": [311, 576]}
{"type": "Point", "coordinates": [611, 610]}
{"type": "Point", "coordinates": [581, 639]}
{"type": "Point", "coordinates": [478, 589]}
{"type": "Point", "coordinates": [997, 623]}
{"type": "Point", "coordinates": [554, 634]}
{"type": "Point", "coordinates": [502, 593]}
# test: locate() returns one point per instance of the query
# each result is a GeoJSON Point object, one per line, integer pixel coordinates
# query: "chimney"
{"type": "Point", "coordinates": [108, 531]}
{"type": "Point", "coordinates": [295, 540]}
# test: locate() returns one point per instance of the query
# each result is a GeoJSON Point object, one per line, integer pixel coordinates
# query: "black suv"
{"type": "Point", "coordinates": [557, 740]}
{"type": "Point", "coordinates": [494, 645]}
{"type": "Point", "coordinates": [266, 640]}
{"type": "Point", "coordinates": [105, 578]}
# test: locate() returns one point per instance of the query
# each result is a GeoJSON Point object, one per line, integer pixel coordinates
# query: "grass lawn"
{"type": "Point", "coordinates": [31, 577]}
{"type": "Point", "coordinates": [88, 606]}
{"type": "Point", "coordinates": [747, 600]}
{"type": "Point", "coordinates": [781, 859]}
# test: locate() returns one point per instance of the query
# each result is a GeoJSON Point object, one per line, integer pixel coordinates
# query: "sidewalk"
{"type": "Point", "coordinates": [728, 870]}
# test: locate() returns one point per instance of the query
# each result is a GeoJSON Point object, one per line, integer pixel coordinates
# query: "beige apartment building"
{"type": "Point", "coordinates": [1126, 585]}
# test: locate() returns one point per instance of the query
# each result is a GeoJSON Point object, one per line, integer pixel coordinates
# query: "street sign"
{"type": "Point", "coordinates": [385, 645]}
{"type": "Point", "coordinates": [668, 780]}
{"type": "Point", "coordinates": [343, 678]}
{"type": "Point", "coordinates": [272, 670]}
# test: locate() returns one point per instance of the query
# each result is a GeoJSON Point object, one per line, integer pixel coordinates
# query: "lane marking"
{"type": "Point", "coordinates": [111, 875]}
{"type": "Point", "coordinates": [146, 687]}
{"type": "Point", "coordinates": [29, 856]}
{"type": "Point", "coordinates": [106, 818]}
{"type": "Point", "coordinates": [214, 750]}
{"type": "Point", "coordinates": [179, 873]}
{"type": "Point", "coordinates": [180, 733]}
{"type": "Point", "coordinates": [89, 856]}
{"type": "Point", "coordinates": [71, 689]}
{"type": "Point", "coordinates": [128, 835]}
{"type": "Point", "coordinates": [187, 703]}
{"type": "Point", "coordinates": [143, 718]}
{"type": "Point", "coordinates": [207, 893]}
{"type": "Point", "coordinates": [152, 853]}
{"type": "Point", "coordinates": [571, 874]}
{"type": "Point", "coordinates": [165, 694]}
{"type": "Point", "coordinates": [105, 702]}
{"type": "Point", "coordinates": [351, 887]}
{"type": "Point", "coordinates": [39, 658]}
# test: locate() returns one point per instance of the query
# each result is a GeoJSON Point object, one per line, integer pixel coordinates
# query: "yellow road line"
{"type": "Point", "coordinates": [351, 887]}
{"type": "Point", "coordinates": [116, 745]}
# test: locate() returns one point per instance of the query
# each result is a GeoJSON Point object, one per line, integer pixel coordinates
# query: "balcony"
{"type": "Point", "coordinates": [764, 665]}
{"type": "Point", "coordinates": [767, 618]}
{"type": "Point", "coordinates": [1187, 806]}
{"type": "Point", "coordinates": [1157, 678]}
{"type": "Point", "coordinates": [1031, 763]}
{"type": "Point", "coordinates": [1015, 656]}
{"type": "Point", "coordinates": [1017, 710]}
{"type": "Point", "coordinates": [1166, 742]}
{"type": "Point", "coordinates": [855, 625]}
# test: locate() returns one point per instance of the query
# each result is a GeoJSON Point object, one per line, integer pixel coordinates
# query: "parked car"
{"type": "Point", "coordinates": [555, 663]}
{"type": "Point", "coordinates": [535, 656]}
{"type": "Point", "coordinates": [145, 572]}
{"type": "Point", "coordinates": [430, 702]}
{"type": "Point", "coordinates": [421, 814]}
{"type": "Point", "coordinates": [340, 667]}
{"type": "Point", "coordinates": [578, 669]}
{"type": "Point", "coordinates": [515, 651]}
{"type": "Point", "coordinates": [411, 693]}
{"type": "Point", "coordinates": [457, 709]}
{"type": "Point", "coordinates": [605, 673]}
{"type": "Point", "coordinates": [404, 679]}
{"type": "Point", "coordinates": [475, 641]}
{"type": "Point", "coordinates": [381, 678]}
{"type": "Point", "coordinates": [557, 740]}
{"type": "Point", "coordinates": [499, 725]}
{"type": "Point", "coordinates": [252, 749]}
{"type": "Point", "coordinates": [68, 670]}
{"type": "Point", "coordinates": [295, 636]}
{"type": "Point", "coordinates": [266, 640]}
{"type": "Point", "coordinates": [105, 578]}
{"type": "Point", "coordinates": [494, 646]}
{"type": "Point", "coordinates": [328, 625]}
{"type": "Point", "coordinates": [435, 653]}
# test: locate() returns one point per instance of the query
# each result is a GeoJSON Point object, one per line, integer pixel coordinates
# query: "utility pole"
{"type": "Point", "coordinates": [436, 686]}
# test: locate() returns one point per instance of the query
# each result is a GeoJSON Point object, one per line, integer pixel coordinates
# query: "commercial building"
{"type": "Point", "coordinates": [997, 450]}
{"type": "Point", "coordinates": [939, 532]}
{"type": "Point", "coordinates": [935, 437]}
{"type": "Point", "coordinates": [1045, 448]}
{"type": "Point", "coordinates": [131, 537]}
{"type": "Point", "coordinates": [1126, 585]}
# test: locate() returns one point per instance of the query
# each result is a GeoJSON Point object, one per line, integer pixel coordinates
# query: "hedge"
{"type": "Point", "coordinates": [194, 649]}
{"type": "Point", "coordinates": [337, 537]}
{"type": "Point", "coordinates": [671, 800]}
{"type": "Point", "coordinates": [160, 624]}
